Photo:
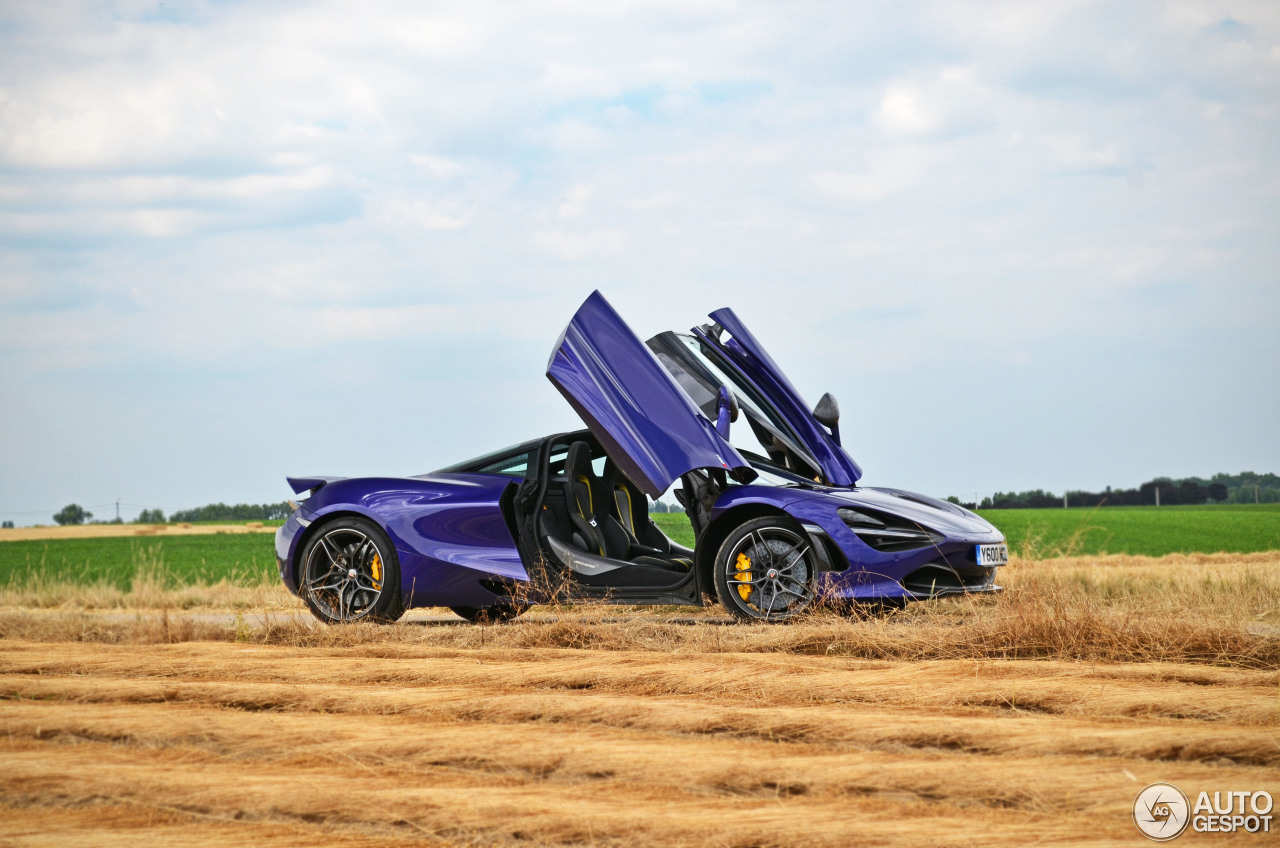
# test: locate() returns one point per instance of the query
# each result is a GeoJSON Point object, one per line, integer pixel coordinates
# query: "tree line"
{"type": "Point", "coordinates": [237, 512]}
{"type": "Point", "coordinates": [76, 514]}
{"type": "Point", "coordinates": [1247, 487]}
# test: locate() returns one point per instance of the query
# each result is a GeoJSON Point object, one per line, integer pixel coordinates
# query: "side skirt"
{"type": "Point", "coordinates": [683, 593]}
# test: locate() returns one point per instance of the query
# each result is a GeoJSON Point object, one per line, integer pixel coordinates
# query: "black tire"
{"type": "Point", "coordinates": [766, 570]}
{"type": "Point", "coordinates": [490, 615]}
{"type": "Point", "coordinates": [349, 572]}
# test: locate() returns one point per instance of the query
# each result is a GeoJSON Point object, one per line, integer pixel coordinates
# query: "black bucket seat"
{"type": "Point", "coordinates": [595, 529]}
{"type": "Point", "coordinates": [632, 509]}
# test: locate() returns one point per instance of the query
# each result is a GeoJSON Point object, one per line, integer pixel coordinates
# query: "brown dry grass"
{"type": "Point", "coordinates": [1219, 609]}
{"type": "Point", "coordinates": [1033, 717]}
{"type": "Point", "coordinates": [95, 531]}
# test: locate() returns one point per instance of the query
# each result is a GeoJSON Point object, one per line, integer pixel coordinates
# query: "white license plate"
{"type": "Point", "coordinates": [993, 554]}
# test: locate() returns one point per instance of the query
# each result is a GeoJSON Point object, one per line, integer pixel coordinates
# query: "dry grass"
{"type": "Point", "coordinates": [1215, 609]}
{"type": "Point", "coordinates": [102, 531]}
{"type": "Point", "coordinates": [1032, 717]}
{"type": "Point", "coordinates": [151, 587]}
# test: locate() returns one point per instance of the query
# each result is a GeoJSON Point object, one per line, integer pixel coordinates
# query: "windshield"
{"type": "Point", "coordinates": [773, 475]}
{"type": "Point", "coordinates": [701, 372]}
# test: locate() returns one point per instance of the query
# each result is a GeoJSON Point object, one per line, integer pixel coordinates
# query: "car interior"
{"type": "Point", "coordinates": [592, 524]}
{"type": "Point", "coordinates": [595, 522]}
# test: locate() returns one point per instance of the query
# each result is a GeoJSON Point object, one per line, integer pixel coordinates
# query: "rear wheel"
{"type": "Point", "coordinates": [766, 570]}
{"type": "Point", "coordinates": [490, 615]}
{"type": "Point", "coordinates": [350, 572]}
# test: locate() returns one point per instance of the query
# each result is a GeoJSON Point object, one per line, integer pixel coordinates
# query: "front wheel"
{"type": "Point", "coordinates": [350, 572]}
{"type": "Point", "coordinates": [766, 570]}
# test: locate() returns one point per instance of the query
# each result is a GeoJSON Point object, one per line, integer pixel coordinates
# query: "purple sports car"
{"type": "Point", "coordinates": [780, 521]}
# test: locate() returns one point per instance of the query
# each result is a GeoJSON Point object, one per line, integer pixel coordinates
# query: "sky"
{"type": "Point", "coordinates": [1026, 245]}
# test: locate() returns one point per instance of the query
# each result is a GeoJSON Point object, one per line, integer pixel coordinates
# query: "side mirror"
{"type": "Point", "coordinates": [828, 414]}
{"type": "Point", "coordinates": [827, 411]}
{"type": "Point", "coordinates": [726, 412]}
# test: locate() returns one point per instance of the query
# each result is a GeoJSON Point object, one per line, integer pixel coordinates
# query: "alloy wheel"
{"type": "Point", "coordinates": [344, 574]}
{"type": "Point", "coordinates": [769, 573]}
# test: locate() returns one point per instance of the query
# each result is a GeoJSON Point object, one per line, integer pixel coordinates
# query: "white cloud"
{"type": "Point", "coordinates": [424, 214]}
{"type": "Point", "coordinates": [575, 201]}
{"type": "Point", "coordinates": [873, 183]}
{"type": "Point", "coordinates": [573, 245]}
{"type": "Point", "coordinates": [903, 110]}
{"type": "Point", "coordinates": [441, 167]}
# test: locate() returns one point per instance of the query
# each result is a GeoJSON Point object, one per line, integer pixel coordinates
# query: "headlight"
{"type": "Point", "coordinates": [888, 533]}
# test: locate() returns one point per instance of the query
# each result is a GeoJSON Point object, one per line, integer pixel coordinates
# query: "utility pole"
{"type": "Point", "coordinates": [117, 510]}
{"type": "Point", "coordinates": [1064, 499]}
{"type": "Point", "coordinates": [1255, 494]}
{"type": "Point", "coordinates": [1157, 494]}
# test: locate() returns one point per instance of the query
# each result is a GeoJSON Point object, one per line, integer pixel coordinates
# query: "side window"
{"type": "Point", "coordinates": [510, 466]}
{"type": "Point", "coordinates": [559, 453]}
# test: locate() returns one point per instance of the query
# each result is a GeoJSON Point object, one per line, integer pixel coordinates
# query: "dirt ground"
{"type": "Point", "coordinates": [481, 742]}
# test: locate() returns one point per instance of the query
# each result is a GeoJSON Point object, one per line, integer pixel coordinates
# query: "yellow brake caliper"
{"type": "Point", "coordinates": [376, 568]}
{"type": "Point", "coordinates": [743, 567]}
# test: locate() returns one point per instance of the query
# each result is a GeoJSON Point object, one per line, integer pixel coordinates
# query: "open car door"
{"type": "Point", "coordinates": [732, 338]}
{"type": "Point", "coordinates": [646, 423]}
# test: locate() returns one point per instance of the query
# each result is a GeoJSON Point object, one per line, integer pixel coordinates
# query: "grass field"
{"type": "Point", "coordinates": [676, 526]}
{"type": "Point", "coordinates": [1030, 718]}
{"type": "Point", "coordinates": [1142, 530]}
{"type": "Point", "coordinates": [117, 561]}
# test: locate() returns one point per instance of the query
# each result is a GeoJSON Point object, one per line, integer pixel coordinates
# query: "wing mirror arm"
{"type": "Point", "coordinates": [828, 414]}
{"type": "Point", "coordinates": [726, 412]}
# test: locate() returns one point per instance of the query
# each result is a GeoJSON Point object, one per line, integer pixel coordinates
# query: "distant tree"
{"type": "Point", "coordinates": [150, 516]}
{"type": "Point", "coordinates": [1247, 487]}
{"type": "Point", "coordinates": [1191, 492]}
{"type": "Point", "coordinates": [7, 525]}
{"type": "Point", "coordinates": [236, 512]}
{"type": "Point", "coordinates": [72, 514]}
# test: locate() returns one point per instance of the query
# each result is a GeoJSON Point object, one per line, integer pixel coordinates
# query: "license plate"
{"type": "Point", "coordinates": [993, 554]}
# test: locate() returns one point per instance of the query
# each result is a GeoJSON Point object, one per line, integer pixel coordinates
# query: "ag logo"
{"type": "Point", "coordinates": [1161, 811]}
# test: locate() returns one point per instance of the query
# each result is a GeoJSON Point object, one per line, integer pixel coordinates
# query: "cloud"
{"type": "Point", "coordinates": [417, 197]}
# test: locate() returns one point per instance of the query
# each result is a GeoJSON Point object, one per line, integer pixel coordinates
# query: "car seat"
{"type": "Point", "coordinates": [595, 529]}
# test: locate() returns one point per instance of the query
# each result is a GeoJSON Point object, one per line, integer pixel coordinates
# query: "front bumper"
{"type": "Point", "coordinates": [947, 568]}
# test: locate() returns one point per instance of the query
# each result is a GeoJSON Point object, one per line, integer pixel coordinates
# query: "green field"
{"type": "Point", "coordinates": [676, 525]}
{"type": "Point", "coordinates": [115, 560]}
{"type": "Point", "coordinates": [1145, 530]}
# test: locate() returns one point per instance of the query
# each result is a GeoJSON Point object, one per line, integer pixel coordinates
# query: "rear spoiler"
{"type": "Point", "coordinates": [313, 484]}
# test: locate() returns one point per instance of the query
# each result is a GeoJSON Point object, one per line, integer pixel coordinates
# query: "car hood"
{"type": "Point", "coordinates": [731, 336]}
{"type": "Point", "coordinates": [955, 521]}
{"type": "Point", "coordinates": [648, 425]}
